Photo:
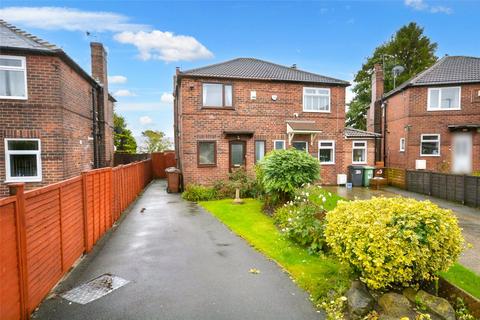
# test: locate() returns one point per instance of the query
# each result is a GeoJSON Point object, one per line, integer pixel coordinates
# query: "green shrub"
{"type": "Point", "coordinates": [394, 241]}
{"type": "Point", "coordinates": [302, 219]}
{"type": "Point", "coordinates": [195, 192]}
{"type": "Point", "coordinates": [282, 171]}
{"type": "Point", "coordinates": [237, 179]}
{"type": "Point", "coordinates": [318, 195]}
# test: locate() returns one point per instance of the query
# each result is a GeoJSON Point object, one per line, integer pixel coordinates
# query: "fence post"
{"type": "Point", "coordinates": [18, 190]}
{"type": "Point", "coordinates": [85, 212]}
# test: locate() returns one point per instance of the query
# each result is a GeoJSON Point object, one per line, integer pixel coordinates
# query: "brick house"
{"type": "Point", "coordinates": [231, 114]}
{"type": "Point", "coordinates": [431, 121]}
{"type": "Point", "coordinates": [56, 120]}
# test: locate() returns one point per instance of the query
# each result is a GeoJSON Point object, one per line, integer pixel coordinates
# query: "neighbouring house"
{"type": "Point", "coordinates": [229, 115]}
{"type": "Point", "coordinates": [431, 121]}
{"type": "Point", "coordinates": [56, 120]}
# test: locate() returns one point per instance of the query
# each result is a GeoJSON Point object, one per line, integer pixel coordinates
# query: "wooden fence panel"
{"type": "Point", "coordinates": [396, 177]}
{"type": "Point", "coordinates": [453, 187]}
{"type": "Point", "coordinates": [10, 289]}
{"type": "Point", "coordinates": [45, 230]}
{"type": "Point", "coordinates": [161, 161]}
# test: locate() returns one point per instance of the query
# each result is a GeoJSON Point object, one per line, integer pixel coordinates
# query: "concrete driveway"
{"type": "Point", "coordinates": [182, 263]}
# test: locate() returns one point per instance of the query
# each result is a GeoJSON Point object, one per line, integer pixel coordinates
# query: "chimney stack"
{"type": "Point", "coordinates": [99, 63]}
{"type": "Point", "coordinates": [377, 82]}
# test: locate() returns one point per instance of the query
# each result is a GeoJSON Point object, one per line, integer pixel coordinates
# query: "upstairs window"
{"type": "Point", "coordinates": [316, 100]}
{"type": "Point", "coordinates": [430, 145]}
{"type": "Point", "coordinates": [22, 160]}
{"type": "Point", "coordinates": [326, 151]}
{"type": "Point", "coordinates": [359, 152]}
{"type": "Point", "coordinates": [217, 95]}
{"type": "Point", "coordinates": [447, 98]}
{"type": "Point", "coordinates": [402, 144]}
{"type": "Point", "coordinates": [13, 77]}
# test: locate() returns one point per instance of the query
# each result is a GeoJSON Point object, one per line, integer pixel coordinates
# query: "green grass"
{"type": "Point", "coordinates": [464, 278]}
{"type": "Point", "coordinates": [316, 274]}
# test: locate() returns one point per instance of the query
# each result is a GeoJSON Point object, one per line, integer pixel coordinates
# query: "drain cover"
{"type": "Point", "coordinates": [94, 289]}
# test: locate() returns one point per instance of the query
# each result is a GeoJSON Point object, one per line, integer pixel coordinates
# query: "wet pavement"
{"type": "Point", "coordinates": [468, 217]}
{"type": "Point", "coordinates": [181, 263]}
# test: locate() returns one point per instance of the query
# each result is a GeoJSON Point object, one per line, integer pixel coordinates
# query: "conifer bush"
{"type": "Point", "coordinates": [393, 242]}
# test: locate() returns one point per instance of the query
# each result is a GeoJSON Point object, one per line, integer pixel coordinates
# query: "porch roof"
{"type": "Point", "coordinates": [303, 127]}
{"type": "Point", "coordinates": [465, 126]}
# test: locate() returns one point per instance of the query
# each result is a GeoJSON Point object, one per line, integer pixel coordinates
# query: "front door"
{"type": "Point", "coordinates": [300, 145]}
{"type": "Point", "coordinates": [237, 154]}
{"type": "Point", "coordinates": [462, 153]}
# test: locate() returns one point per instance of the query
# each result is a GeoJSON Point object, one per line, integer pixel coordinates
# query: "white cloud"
{"type": "Point", "coordinates": [421, 5]}
{"type": "Point", "coordinates": [117, 79]}
{"type": "Point", "coordinates": [166, 97]}
{"type": "Point", "coordinates": [124, 93]}
{"type": "Point", "coordinates": [71, 19]}
{"type": "Point", "coordinates": [145, 120]}
{"type": "Point", "coordinates": [165, 46]}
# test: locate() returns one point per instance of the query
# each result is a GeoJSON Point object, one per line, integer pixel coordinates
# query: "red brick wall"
{"type": "Point", "coordinates": [57, 111]}
{"type": "Point", "coordinates": [267, 118]}
{"type": "Point", "coordinates": [410, 108]}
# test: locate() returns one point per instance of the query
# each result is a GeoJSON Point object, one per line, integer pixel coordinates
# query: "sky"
{"type": "Point", "coordinates": [147, 40]}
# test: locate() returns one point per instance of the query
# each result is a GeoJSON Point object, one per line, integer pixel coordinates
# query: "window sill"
{"type": "Point", "coordinates": [452, 109]}
{"type": "Point", "coordinates": [218, 108]}
{"type": "Point", "coordinates": [23, 180]}
{"type": "Point", "coordinates": [13, 98]}
{"type": "Point", "coordinates": [317, 111]}
{"type": "Point", "coordinates": [429, 155]}
{"type": "Point", "coordinates": [206, 165]}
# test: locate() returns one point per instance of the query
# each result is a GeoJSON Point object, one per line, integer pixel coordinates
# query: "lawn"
{"type": "Point", "coordinates": [316, 274]}
{"type": "Point", "coordinates": [464, 278]}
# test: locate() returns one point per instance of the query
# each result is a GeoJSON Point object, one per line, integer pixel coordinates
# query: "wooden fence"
{"type": "Point", "coordinates": [45, 230]}
{"type": "Point", "coordinates": [453, 187]}
{"type": "Point", "coordinates": [161, 161]}
{"type": "Point", "coordinates": [126, 158]}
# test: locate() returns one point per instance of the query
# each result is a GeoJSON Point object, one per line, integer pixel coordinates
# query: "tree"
{"type": "Point", "coordinates": [123, 138]}
{"type": "Point", "coordinates": [410, 48]}
{"type": "Point", "coordinates": [156, 141]}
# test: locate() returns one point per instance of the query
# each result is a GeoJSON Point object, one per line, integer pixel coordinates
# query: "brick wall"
{"type": "Point", "coordinates": [410, 108]}
{"type": "Point", "coordinates": [59, 112]}
{"type": "Point", "coordinates": [267, 118]}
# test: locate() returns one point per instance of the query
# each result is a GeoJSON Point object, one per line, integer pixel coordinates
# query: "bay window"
{"type": "Point", "coordinates": [13, 77]}
{"type": "Point", "coordinates": [23, 161]}
{"type": "Point", "coordinates": [430, 145]}
{"type": "Point", "coordinates": [316, 99]}
{"type": "Point", "coordinates": [217, 95]}
{"type": "Point", "coordinates": [446, 98]}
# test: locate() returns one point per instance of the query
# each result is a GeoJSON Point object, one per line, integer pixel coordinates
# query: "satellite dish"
{"type": "Point", "coordinates": [397, 70]}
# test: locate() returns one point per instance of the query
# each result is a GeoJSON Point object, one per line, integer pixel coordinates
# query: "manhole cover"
{"type": "Point", "coordinates": [94, 289]}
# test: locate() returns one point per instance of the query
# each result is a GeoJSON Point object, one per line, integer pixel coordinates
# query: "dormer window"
{"type": "Point", "coordinates": [445, 98]}
{"type": "Point", "coordinates": [217, 95]}
{"type": "Point", "coordinates": [13, 77]}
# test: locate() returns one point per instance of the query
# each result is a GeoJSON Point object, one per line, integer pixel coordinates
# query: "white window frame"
{"type": "Point", "coordinates": [306, 144]}
{"type": "Point", "coordinates": [37, 153]}
{"type": "Point", "coordinates": [326, 148]}
{"type": "Point", "coordinates": [402, 144]}
{"type": "Point", "coordinates": [439, 144]}
{"type": "Point", "coordinates": [429, 108]}
{"type": "Point", "coordinates": [275, 142]}
{"type": "Point", "coordinates": [22, 68]}
{"type": "Point", "coordinates": [362, 148]}
{"type": "Point", "coordinates": [317, 95]}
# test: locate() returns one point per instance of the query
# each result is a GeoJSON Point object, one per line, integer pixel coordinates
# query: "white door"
{"type": "Point", "coordinates": [462, 153]}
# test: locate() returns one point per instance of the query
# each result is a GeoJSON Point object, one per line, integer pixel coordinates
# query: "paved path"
{"type": "Point", "coordinates": [468, 217]}
{"type": "Point", "coordinates": [182, 264]}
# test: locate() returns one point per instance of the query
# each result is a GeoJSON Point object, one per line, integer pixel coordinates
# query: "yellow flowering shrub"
{"type": "Point", "coordinates": [394, 241]}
